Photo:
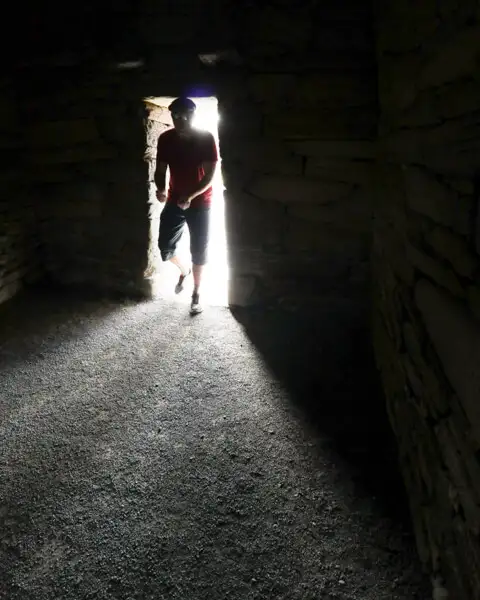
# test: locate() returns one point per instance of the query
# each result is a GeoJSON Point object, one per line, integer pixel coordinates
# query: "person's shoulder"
{"type": "Point", "coordinates": [205, 136]}
{"type": "Point", "coordinates": [167, 135]}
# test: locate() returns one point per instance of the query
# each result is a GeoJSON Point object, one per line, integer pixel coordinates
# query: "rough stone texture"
{"type": "Point", "coordinates": [298, 119]}
{"type": "Point", "coordinates": [20, 249]}
{"type": "Point", "coordinates": [298, 136]}
{"type": "Point", "coordinates": [427, 302]}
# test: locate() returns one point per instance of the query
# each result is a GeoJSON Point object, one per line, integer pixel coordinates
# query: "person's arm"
{"type": "Point", "coordinates": [209, 169]}
{"type": "Point", "coordinates": [160, 176]}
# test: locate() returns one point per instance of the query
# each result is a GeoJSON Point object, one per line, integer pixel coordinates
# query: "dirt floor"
{"type": "Point", "coordinates": [147, 454]}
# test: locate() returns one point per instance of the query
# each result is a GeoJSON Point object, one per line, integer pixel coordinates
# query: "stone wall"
{"type": "Point", "coordinates": [85, 148]}
{"type": "Point", "coordinates": [426, 273]}
{"type": "Point", "coordinates": [20, 251]}
{"type": "Point", "coordinates": [298, 118]}
{"type": "Point", "coordinates": [297, 147]}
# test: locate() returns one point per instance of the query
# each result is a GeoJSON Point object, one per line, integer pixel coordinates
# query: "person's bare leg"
{"type": "Point", "coordinates": [178, 263]}
{"type": "Point", "coordinates": [184, 273]}
{"type": "Point", "coordinates": [196, 307]}
{"type": "Point", "coordinates": [197, 277]}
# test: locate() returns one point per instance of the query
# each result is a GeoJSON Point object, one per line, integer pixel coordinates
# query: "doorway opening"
{"type": "Point", "coordinates": [165, 275]}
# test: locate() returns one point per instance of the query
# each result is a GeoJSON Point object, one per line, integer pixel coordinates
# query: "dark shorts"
{"type": "Point", "coordinates": [172, 222]}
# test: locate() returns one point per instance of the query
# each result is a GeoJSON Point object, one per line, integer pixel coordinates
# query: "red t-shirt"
{"type": "Point", "coordinates": [185, 158]}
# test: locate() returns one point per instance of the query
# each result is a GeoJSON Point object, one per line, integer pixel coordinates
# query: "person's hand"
{"type": "Point", "coordinates": [184, 202]}
{"type": "Point", "coordinates": [161, 196]}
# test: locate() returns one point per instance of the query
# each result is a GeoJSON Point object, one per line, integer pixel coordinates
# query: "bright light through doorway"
{"type": "Point", "coordinates": [215, 283]}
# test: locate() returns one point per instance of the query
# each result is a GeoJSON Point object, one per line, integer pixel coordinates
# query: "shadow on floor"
{"type": "Point", "coordinates": [34, 318]}
{"type": "Point", "coordinates": [323, 356]}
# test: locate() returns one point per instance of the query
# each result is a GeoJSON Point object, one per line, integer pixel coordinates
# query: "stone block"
{"type": "Point", "coordinates": [459, 475]}
{"type": "Point", "coordinates": [122, 170]}
{"type": "Point", "coordinates": [392, 244]}
{"type": "Point", "coordinates": [252, 148]}
{"type": "Point", "coordinates": [254, 224]}
{"type": "Point", "coordinates": [63, 133]}
{"type": "Point", "coordinates": [276, 28]}
{"type": "Point", "coordinates": [18, 274]}
{"type": "Point", "coordinates": [260, 155]}
{"type": "Point", "coordinates": [238, 122]}
{"type": "Point", "coordinates": [415, 384]}
{"type": "Point", "coordinates": [251, 261]}
{"type": "Point", "coordinates": [125, 199]}
{"type": "Point", "coordinates": [243, 290]}
{"type": "Point", "coordinates": [454, 249]}
{"type": "Point", "coordinates": [74, 154]}
{"type": "Point", "coordinates": [455, 59]}
{"type": "Point", "coordinates": [435, 391]}
{"type": "Point", "coordinates": [345, 149]}
{"type": "Point", "coordinates": [452, 11]}
{"type": "Point", "coordinates": [340, 248]}
{"type": "Point", "coordinates": [9, 290]}
{"type": "Point", "coordinates": [341, 124]}
{"type": "Point", "coordinates": [462, 186]}
{"type": "Point", "coordinates": [120, 129]}
{"type": "Point", "coordinates": [461, 432]}
{"type": "Point", "coordinates": [175, 29]}
{"type": "Point", "coordinates": [428, 196]}
{"type": "Point", "coordinates": [333, 89]}
{"type": "Point", "coordinates": [297, 189]}
{"type": "Point", "coordinates": [455, 336]}
{"type": "Point", "coordinates": [390, 305]}
{"type": "Point", "coordinates": [448, 148]}
{"type": "Point", "coordinates": [68, 209]}
{"type": "Point", "coordinates": [413, 343]}
{"type": "Point", "coordinates": [396, 85]}
{"type": "Point", "coordinates": [237, 177]}
{"type": "Point", "coordinates": [456, 99]}
{"type": "Point", "coordinates": [473, 299]}
{"type": "Point", "coordinates": [271, 88]}
{"type": "Point", "coordinates": [352, 215]}
{"type": "Point", "coordinates": [41, 174]}
{"type": "Point", "coordinates": [436, 270]}
{"type": "Point", "coordinates": [386, 356]}
{"type": "Point", "coordinates": [403, 26]}
{"type": "Point", "coordinates": [331, 169]}
{"type": "Point", "coordinates": [463, 556]}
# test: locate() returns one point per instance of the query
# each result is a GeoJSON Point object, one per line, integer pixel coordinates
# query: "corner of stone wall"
{"type": "Point", "coordinates": [426, 273]}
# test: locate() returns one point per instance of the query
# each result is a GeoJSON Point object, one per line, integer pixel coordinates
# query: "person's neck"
{"type": "Point", "coordinates": [186, 134]}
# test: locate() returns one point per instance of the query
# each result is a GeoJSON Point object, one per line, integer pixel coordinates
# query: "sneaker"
{"type": "Point", "coordinates": [181, 282]}
{"type": "Point", "coordinates": [195, 307]}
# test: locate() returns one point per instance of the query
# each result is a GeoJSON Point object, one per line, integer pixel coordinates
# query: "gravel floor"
{"type": "Point", "coordinates": [146, 454]}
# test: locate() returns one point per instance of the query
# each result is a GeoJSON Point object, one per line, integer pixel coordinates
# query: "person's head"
{"type": "Point", "coordinates": [183, 112]}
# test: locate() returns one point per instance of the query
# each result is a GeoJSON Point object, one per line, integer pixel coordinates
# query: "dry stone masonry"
{"type": "Point", "coordinates": [426, 273]}
{"type": "Point", "coordinates": [20, 251]}
{"type": "Point", "coordinates": [319, 128]}
{"type": "Point", "coordinates": [298, 120]}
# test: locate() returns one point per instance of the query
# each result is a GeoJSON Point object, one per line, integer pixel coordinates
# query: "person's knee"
{"type": "Point", "coordinates": [166, 255]}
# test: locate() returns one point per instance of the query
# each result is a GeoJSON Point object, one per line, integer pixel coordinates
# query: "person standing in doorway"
{"type": "Point", "coordinates": [192, 158]}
